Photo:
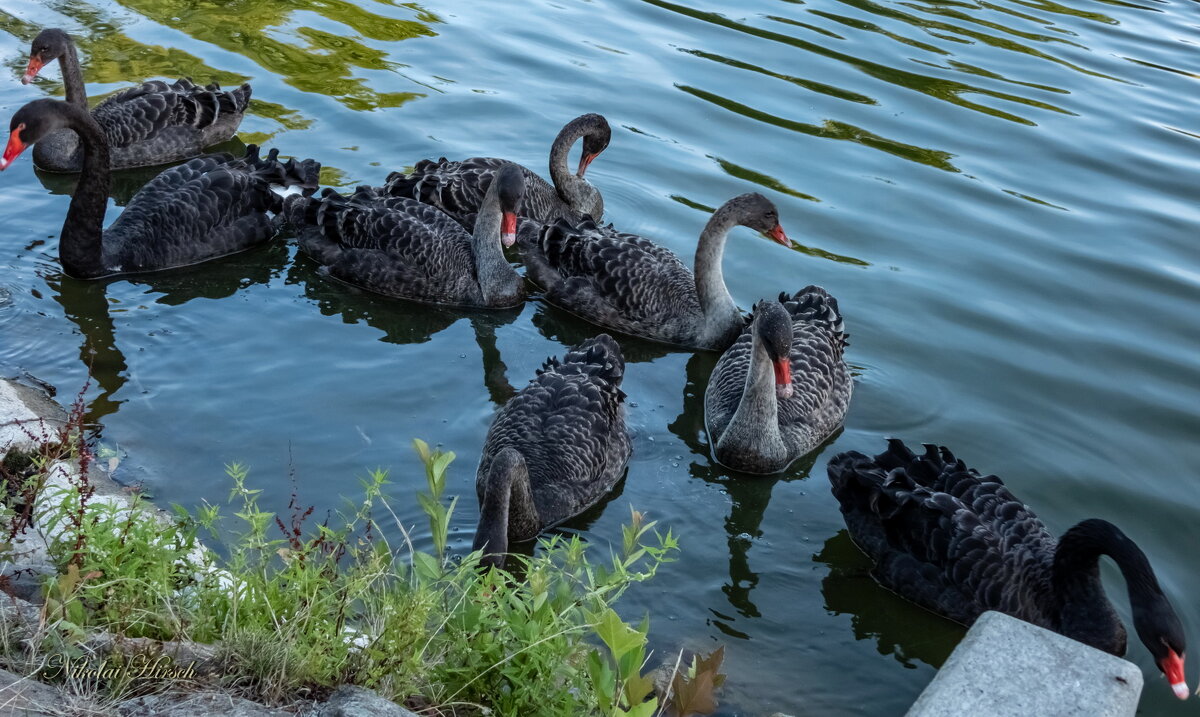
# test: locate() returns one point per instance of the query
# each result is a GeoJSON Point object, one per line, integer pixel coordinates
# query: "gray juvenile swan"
{"type": "Point", "coordinates": [458, 188]}
{"type": "Point", "coordinates": [152, 123]}
{"type": "Point", "coordinates": [402, 248]}
{"type": "Point", "coordinates": [555, 449]}
{"type": "Point", "coordinates": [628, 283]}
{"type": "Point", "coordinates": [782, 388]}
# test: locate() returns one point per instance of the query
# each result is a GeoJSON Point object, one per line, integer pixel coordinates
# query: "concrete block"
{"type": "Point", "coordinates": [1006, 667]}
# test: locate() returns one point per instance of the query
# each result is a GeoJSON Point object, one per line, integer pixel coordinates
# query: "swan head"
{"type": "Point", "coordinates": [48, 46]}
{"type": "Point", "coordinates": [573, 188]}
{"type": "Point", "coordinates": [773, 329]}
{"type": "Point", "coordinates": [596, 137]}
{"type": "Point", "coordinates": [759, 213]}
{"type": "Point", "coordinates": [31, 123]}
{"type": "Point", "coordinates": [1159, 627]}
{"type": "Point", "coordinates": [510, 189]}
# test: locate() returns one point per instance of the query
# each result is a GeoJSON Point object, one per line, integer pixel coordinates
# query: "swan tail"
{"type": "Point", "coordinates": [413, 184]}
{"type": "Point", "coordinates": [560, 240]}
{"type": "Point", "coordinates": [323, 212]}
{"type": "Point", "coordinates": [599, 356]}
{"type": "Point", "coordinates": [205, 106]}
{"type": "Point", "coordinates": [815, 305]}
{"type": "Point", "coordinates": [304, 175]}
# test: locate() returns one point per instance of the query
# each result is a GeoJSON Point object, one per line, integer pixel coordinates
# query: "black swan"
{"type": "Point", "coordinates": [782, 388]}
{"type": "Point", "coordinates": [628, 283]}
{"type": "Point", "coordinates": [153, 123]}
{"type": "Point", "coordinates": [203, 209]}
{"type": "Point", "coordinates": [555, 449]}
{"type": "Point", "coordinates": [458, 188]}
{"type": "Point", "coordinates": [958, 543]}
{"type": "Point", "coordinates": [402, 248]}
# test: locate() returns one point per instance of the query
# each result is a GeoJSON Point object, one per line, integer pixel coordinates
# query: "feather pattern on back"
{"type": "Point", "coordinates": [458, 189]}
{"type": "Point", "coordinates": [205, 208]}
{"type": "Point", "coordinates": [942, 535]}
{"type": "Point", "coordinates": [153, 123]}
{"type": "Point", "coordinates": [569, 426]}
{"type": "Point", "coordinates": [615, 279]}
{"type": "Point", "coordinates": [394, 246]}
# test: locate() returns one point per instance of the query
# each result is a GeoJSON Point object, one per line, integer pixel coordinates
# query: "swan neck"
{"type": "Point", "coordinates": [82, 243]}
{"type": "Point", "coordinates": [560, 173]}
{"type": "Point", "coordinates": [1076, 570]}
{"type": "Point", "coordinates": [73, 76]}
{"type": "Point", "coordinates": [718, 306]}
{"type": "Point", "coordinates": [755, 423]}
{"type": "Point", "coordinates": [506, 506]}
{"type": "Point", "coordinates": [572, 189]}
{"type": "Point", "coordinates": [498, 281]}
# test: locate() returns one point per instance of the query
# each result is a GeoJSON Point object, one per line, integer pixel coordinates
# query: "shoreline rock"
{"type": "Point", "coordinates": [29, 416]}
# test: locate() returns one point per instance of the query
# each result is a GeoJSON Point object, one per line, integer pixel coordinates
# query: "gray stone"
{"type": "Point", "coordinates": [1006, 667]}
{"type": "Point", "coordinates": [20, 617]}
{"type": "Point", "coordinates": [25, 697]}
{"type": "Point", "coordinates": [199, 704]}
{"type": "Point", "coordinates": [352, 701]}
{"type": "Point", "coordinates": [24, 579]}
{"type": "Point", "coordinates": [27, 416]}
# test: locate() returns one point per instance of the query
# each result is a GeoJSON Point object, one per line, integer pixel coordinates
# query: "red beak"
{"type": "Point", "coordinates": [508, 229]}
{"type": "Point", "coordinates": [778, 235]}
{"type": "Point", "coordinates": [783, 377]}
{"type": "Point", "coordinates": [35, 66]}
{"type": "Point", "coordinates": [15, 147]}
{"type": "Point", "coordinates": [584, 161]}
{"type": "Point", "coordinates": [1172, 667]}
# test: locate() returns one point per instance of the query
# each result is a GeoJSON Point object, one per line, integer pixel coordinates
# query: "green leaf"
{"type": "Point", "coordinates": [603, 680]}
{"type": "Point", "coordinates": [427, 567]}
{"type": "Point", "coordinates": [422, 449]}
{"type": "Point", "coordinates": [440, 463]}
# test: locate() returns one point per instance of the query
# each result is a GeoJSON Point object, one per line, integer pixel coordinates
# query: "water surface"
{"type": "Point", "coordinates": [1000, 193]}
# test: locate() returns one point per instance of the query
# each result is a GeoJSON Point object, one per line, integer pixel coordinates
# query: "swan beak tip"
{"type": "Point", "coordinates": [14, 148]}
{"type": "Point", "coordinates": [778, 235]}
{"type": "Point", "coordinates": [783, 378]}
{"type": "Point", "coordinates": [584, 161]}
{"type": "Point", "coordinates": [508, 228]}
{"type": "Point", "coordinates": [32, 69]}
{"type": "Point", "coordinates": [1181, 690]}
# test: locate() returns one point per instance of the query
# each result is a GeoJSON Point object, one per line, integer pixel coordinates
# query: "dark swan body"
{"type": "Point", "coordinates": [459, 187]}
{"type": "Point", "coordinates": [152, 123]}
{"type": "Point", "coordinates": [555, 449]}
{"type": "Point", "coordinates": [783, 387]}
{"type": "Point", "coordinates": [200, 210]}
{"type": "Point", "coordinates": [402, 248]}
{"type": "Point", "coordinates": [959, 543]}
{"type": "Point", "coordinates": [630, 284]}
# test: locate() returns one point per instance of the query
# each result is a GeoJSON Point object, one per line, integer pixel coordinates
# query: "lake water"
{"type": "Point", "coordinates": [1001, 194]}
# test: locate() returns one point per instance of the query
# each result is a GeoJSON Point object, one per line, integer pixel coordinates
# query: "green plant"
{"type": "Point", "coordinates": [299, 607]}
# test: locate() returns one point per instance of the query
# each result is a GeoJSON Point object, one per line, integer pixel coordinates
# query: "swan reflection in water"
{"type": "Point", "coordinates": [565, 328]}
{"type": "Point", "coordinates": [408, 322]}
{"type": "Point", "coordinates": [749, 494]}
{"type": "Point", "coordinates": [900, 628]}
{"type": "Point", "coordinates": [87, 304]}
